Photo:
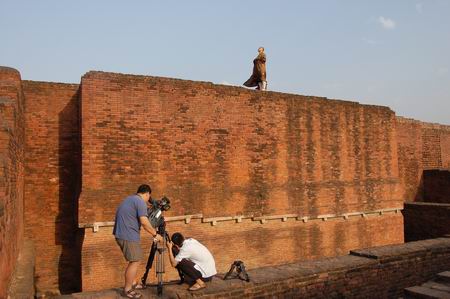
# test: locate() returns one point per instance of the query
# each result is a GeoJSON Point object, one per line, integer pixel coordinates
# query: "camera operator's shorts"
{"type": "Point", "coordinates": [131, 250]}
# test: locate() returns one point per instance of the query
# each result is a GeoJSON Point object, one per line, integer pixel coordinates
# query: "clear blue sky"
{"type": "Point", "coordinates": [384, 52]}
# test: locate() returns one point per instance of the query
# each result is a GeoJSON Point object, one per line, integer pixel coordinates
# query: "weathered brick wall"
{"type": "Point", "coordinates": [11, 173]}
{"type": "Point", "coordinates": [272, 243]}
{"type": "Point", "coordinates": [221, 150]}
{"type": "Point", "coordinates": [225, 151]}
{"type": "Point", "coordinates": [424, 220]}
{"type": "Point", "coordinates": [215, 150]}
{"type": "Point", "coordinates": [421, 146]}
{"type": "Point", "coordinates": [52, 183]}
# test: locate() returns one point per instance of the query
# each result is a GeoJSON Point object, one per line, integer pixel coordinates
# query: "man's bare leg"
{"type": "Point", "coordinates": [130, 275]}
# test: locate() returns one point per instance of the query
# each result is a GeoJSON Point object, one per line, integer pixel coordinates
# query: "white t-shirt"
{"type": "Point", "coordinates": [194, 251]}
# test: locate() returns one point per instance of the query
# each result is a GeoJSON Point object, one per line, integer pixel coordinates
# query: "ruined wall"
{"type": "Point", "coordinates": [426, 220]}
{"type": "Point", "coordinates": [52, 183]}
{"type": "Point", "coordinates": [216, 150]}
{"type": "Point", "coordinates": [11, 173]}
{"type": "Point", "coordinates": [421, 146]}
{"type": "Point", "coordinates": [223, 151]}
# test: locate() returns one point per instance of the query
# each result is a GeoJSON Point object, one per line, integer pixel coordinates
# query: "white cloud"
{"type": "Point", "coordinates": [419, 7]}
{"type": "Point", "coordinates": [387, 23]}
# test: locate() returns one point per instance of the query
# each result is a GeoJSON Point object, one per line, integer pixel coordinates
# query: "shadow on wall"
{"type": "Point", "coordinates": [67, 233]}
{"type": "Point", "coordinates": [436, 185]}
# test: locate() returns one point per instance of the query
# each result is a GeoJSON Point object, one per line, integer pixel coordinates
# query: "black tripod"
{"type": "Point", "coordinates": [157, 249]}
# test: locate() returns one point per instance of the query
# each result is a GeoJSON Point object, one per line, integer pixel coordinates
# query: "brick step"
{"type": "Point", "coordinates": [420, 292]}
{"type": "Point", "coordinates": [437, 286]}
{"type": "Point", "coordinates": [443, 277]}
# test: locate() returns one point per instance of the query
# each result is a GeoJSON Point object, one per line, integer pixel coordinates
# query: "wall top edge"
{"type": "Point", "coordinates": [110, 76]}
{"type": "Point", "coordinates": [50, 83]}
{"type": "Point", "coordinates": [427, 125]}
{"type": "Point", "coordinates": [7, 69]}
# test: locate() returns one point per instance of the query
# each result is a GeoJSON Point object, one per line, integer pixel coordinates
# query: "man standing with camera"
{"type": "Point", "coordinates": [130, 215]}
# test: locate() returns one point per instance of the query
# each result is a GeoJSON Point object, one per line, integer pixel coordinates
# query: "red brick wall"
{"type": "Point", "coordinates": [421, 146]}
{"type": "Point", "coordinates": [272, 243]}
{"type": "Point", "coordinates": [221, 150]}
{"type": "Point", "coordinates": [424, 220]}
{"type": "Point", "coordinates": [52, 183]}
{"type": "Point", "coordinates": [11, 173]}
{"type": "Point", "coordinates": [225, 151]}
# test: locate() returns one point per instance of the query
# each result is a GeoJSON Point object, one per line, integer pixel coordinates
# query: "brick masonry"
{"type": "Point", "coordinates": [225, 151]}
{"type": "Point", "coordinates": [421, 146]}
{"type": "Point", "coordinates": [52, 183]}
{"type": "Point", "coordinates": [12, 128]}
{"type": "Point", "coordinates": [239, 151]}
{"type": "Point", "coordinates": [215, 150]}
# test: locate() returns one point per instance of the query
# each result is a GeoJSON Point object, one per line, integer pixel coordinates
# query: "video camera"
{"type": "Point", "coordinates": [154, 212]}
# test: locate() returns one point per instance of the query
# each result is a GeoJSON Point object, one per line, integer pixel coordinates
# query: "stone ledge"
{"type": "Point", "coordinates": [391, 252]}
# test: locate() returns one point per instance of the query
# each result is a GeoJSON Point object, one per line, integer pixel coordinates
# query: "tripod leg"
{"type": "Point", "coordinates": [160, 270]}
{"type": "Point", "coordinates": [230, 271]}
{"type": "Point", "coordinates": [149, 264]}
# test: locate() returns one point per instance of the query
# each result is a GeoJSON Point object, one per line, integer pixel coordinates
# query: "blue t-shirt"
{"type": "Point", "coordinates": [127, 224]}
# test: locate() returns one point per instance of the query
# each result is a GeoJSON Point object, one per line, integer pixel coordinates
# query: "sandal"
{"type": "Point", "coordinates": [197, 287]}
{"type": "Point", "coordinates": [133, 294]}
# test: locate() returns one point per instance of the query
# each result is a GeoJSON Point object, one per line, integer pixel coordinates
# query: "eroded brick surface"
{"type": "Point", "coordinates": [12, 128]}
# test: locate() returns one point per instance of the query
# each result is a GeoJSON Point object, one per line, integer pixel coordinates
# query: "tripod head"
{"type": "Point", "coordinates": [155, 209]}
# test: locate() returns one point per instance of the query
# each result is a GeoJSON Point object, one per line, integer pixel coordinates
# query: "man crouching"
{"type": "Point", "coordinates": [193, 259]}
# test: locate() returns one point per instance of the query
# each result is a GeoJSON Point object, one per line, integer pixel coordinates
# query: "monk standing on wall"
{"type": "Point", "coordinates": [258, 77]}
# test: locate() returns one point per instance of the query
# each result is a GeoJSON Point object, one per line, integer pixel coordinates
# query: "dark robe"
{"type": "Point", "coordinates": [259, 71]}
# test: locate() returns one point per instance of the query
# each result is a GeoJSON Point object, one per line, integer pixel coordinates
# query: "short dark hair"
{"type": "Point", "coordinates": [144, 188]}
{"type": "Point", "coordinates": [178, 239]}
